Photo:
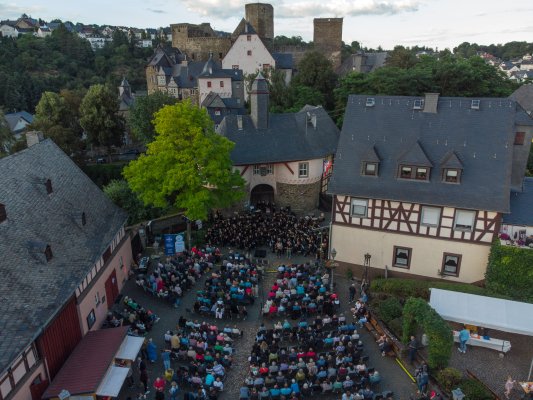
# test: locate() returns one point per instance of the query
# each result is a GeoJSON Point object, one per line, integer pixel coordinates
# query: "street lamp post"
{"type": "Point", "coordinates": [365, 273]}
{"type": "Point", "coordinates": [332, 266]}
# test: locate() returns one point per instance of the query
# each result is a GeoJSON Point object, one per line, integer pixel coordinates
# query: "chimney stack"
{"type": "Point", "coordinates": [431, 102]}
{"type": "Point", "coordinates": [34, 137]}
{"type": "Point", "coordinates": [259, 97]}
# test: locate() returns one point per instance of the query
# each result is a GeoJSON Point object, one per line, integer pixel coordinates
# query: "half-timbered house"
{"type": "Point", "coordinates": [420, 183]}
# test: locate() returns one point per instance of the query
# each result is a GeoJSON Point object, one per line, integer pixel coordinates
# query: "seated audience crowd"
{"type": "Point", "coordinates": [324, 355]}
{"type": "Point", "coordinates": [300, 290]}
{"type": "Point", "coordinates": [169, 280]}
{"type": "Point", "coordinates": [228, 292]}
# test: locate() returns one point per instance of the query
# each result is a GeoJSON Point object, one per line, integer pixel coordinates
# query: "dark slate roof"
{"type": "Point", "coordinates": [524, 96]}
{"type": "Point", "coordinates": [415, 155]}
{"type": "Point", "coordinates": [283, 60]}
{"type": "Point", "coordinates": [213, 69]}
{"type": "Point", "coordinates": [521, 205]}
{"type": "Point", "coordinates": [32, 290]}
{"type": "Point", "coordinates": [13, 118]}
{"type": "Point", "coordinates": [482, 140]}
{"type": "Point", "coordinates": [451, 160]}
{"type": "Point", "coordinates": [289, 137]}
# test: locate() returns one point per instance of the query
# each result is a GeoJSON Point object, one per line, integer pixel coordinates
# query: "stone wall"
{"type": "Point", "coordinates": [261, 17]}
{"type": "Point", "coordinates": [327, 38]}
{"type": "Point", "coordinates": [301, 198]}
{"type": "Point", "coordinates": [197, 41]}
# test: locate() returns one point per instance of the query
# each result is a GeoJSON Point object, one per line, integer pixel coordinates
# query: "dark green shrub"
{"type": "Point", "coordinates": [405, 288]}
{"type": "Point", "coordinates": [417, 312]}
{"type": "Point", "coordinates": [474, 390]}
{"type": "Point", "coordinates": [509, 272]}
{"type": "Point", "coordinates": [390, 309]}
{"type": "Point", "coordinates": [396, 326]}
{"type": "Point", "coordinates": [449, 379]}
{"type": "Point", "coordinates": [103, 174]}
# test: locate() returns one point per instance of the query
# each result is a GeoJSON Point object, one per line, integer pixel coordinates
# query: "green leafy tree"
{"type": "Point", "coordinates": [401, 57]}
{"type": "Point", "coordinates": [187, 165]}
{"type": "Point", "coordinates": [120, 193]}
{"type": "Point", "coordinates": [141, 115]}
{"type": "Point", "coordinates": [6, 138]}
{"type": "Point", "coordinates": [56, 115]}
{"type": "Point", "coordinates": [316, 71]}
{"type": "Point", "coordinates": [100, 119]}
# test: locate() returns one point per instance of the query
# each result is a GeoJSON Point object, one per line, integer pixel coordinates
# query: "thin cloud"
{"type": "Point", "coordinates": [12, 10]}
{"type": "Point", "coordinates": [156, 11]}
{"type": "Point", "coordinates": [308, 8]}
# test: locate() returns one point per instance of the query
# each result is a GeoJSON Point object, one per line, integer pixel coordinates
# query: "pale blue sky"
{"type": "Point", "coordinates": [434, 23]}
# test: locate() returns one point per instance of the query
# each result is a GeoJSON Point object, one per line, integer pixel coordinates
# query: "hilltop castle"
{"type": "Point", "coordinates": [198, 41]}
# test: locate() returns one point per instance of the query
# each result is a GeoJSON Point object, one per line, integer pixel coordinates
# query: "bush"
{"type": "Point", "coordinates": [474, 390]}
{"type": "Point", "coordinates": [417, 312]}
{"type": "Point", "coordinates": [103, 174]}
{"type": "Point", "coordinates": [390, 309]}
{"type": "Point", "coordinates": [396, 326]}
{"type": "Point", "coordinates": [509, 272]}
{"type": "Point", "coordinates": [405, 288]}
{"type": "Point", "coordinates": [449, 379]}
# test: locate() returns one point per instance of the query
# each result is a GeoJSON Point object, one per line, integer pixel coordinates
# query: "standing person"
{"type": "Point", "coordinates": [464, 335]}
{"type": "Point", "coordinates": [173, 390]}
{"type": "Point", "coordinates": [509, 386]}
{"type": "Point", "coordinates": [159, 384]}
{"type": "Point", "coordinates": [144, 380]}
{"type": "Point", "coordinates": [165, 355]}
{"type": "Point", "coordinates": [151, 350]}
{"type": "Point", "coordinates": [352, 291]}
{"type": "Point", "coordinates": [413, 345]}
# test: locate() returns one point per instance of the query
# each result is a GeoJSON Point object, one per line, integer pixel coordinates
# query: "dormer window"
{"type": "Point", "coordinates": [3, 213]}
{"type": "Point", "coordinates": [451, 175]}
{"type": "Point", "coordinates": [370, 168]}
{"type": "Point", "coordinates": [48, 185]}
{"type": "Point", "coordinates": [414, 172]}
{"type": "Point", "coordinates": [418, 104]}
{"type": "Point", "coordinates": [48, 253]}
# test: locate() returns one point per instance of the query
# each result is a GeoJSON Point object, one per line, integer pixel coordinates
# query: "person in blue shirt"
{"type": "Point", "coordinates": [275, 392]}
{"type": "Point", "coordinates": [209, 379]}
{"type": "Point", "coordinates": [286, 390]}
{"type": "Point", "coordinates": [464, 335]}
{"type": "Point", "coordinates": [295, 388]}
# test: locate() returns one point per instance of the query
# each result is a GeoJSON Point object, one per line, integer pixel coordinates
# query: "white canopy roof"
{"type": "Point", "coordinates": [112, 382]}
{"type": "Point", "coordinates": [129, 348]}
{"type": "Point", "coordinates": [489, 312]}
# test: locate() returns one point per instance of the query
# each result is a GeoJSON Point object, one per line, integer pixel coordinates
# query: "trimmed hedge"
{"type": "Point", "coordinates": [405, 288]}
{"type": "Point", "coordinates": [474, 390]}
{"type": "Point", "coordinates": [390, 309]}
{"type": "Point", "coordinates": [510, 272]}
{"type": "Point", "coordinates": [417, 312]}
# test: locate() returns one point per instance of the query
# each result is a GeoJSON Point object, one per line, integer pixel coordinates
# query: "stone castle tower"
{"type": "Point", "coordinates": [327, 37]}
{"type": "Point", "coordinates": [261, 17]}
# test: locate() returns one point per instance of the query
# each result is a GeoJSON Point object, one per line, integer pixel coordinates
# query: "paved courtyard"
{"type": "Point", "coordinates": [393, 378]}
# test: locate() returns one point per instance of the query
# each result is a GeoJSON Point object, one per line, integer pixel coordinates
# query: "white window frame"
{"type": "Point", "coordinates": [257, 169]}
{"type": "Point", "coordinates": [426, 210]}
{"type": "Point", "coordinates": [355, 202]}
{"type": "Point", "coordinates": [303, 170]}
{"type": "Point", "coordinates": [460, 216]}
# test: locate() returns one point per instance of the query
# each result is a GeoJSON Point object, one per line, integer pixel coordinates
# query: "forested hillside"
{"type": "Point", "coordinates": [31, 65]}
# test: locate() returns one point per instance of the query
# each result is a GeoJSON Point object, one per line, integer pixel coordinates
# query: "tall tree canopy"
{"type": "Point", "coordinates": [141, 115]}
{"type": "Point", "coordinates": [187, 165]}
{"type": "Point", "coordinates": [6, 138]}
{"type": "Point", "coordinates": [99, 117]}
{"type": "Point", "coordinates": [315, 71]}
{"type": "Point", "coordinates": [57, 116]}
{"type": "Point", "coordinates": [120, 193]}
